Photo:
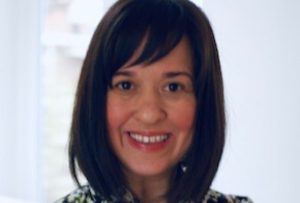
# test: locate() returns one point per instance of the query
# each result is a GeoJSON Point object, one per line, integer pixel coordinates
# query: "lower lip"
{"type": "Point", "coordinates": [150, 147]}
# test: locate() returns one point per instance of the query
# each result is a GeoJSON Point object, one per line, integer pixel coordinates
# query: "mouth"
{"type": "Point", "coordinates": [149, 139]}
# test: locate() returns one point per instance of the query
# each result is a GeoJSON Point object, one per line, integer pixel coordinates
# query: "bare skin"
{"type": "Point", "coordinates": [149, 189]}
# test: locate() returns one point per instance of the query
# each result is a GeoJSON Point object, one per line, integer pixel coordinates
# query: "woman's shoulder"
{"type": "Point", "coordinates": [214, 196]}
{"type": "Point", "coordinates": [85, 194]}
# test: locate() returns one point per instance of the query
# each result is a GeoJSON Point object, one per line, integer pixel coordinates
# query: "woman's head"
{"type": "Point", "coordinates": [150, 113]}
{"type": "Point", "coordinates": [138, 36]}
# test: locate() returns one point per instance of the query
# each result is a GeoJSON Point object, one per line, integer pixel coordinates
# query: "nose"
{"type": "Point", "coordinates": [150, 108]}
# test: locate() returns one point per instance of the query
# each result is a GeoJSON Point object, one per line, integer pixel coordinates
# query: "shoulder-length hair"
{"type": "Point", "coordinates": [119, 34]}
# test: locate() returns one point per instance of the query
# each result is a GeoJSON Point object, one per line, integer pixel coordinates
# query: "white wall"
{"type": "Point", "coordinates": [259, 48]}
{"type": "Point", "coordinates": [19, 83]}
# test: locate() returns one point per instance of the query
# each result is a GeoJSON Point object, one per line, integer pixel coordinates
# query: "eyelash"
{"type": "Point", "coordinates": [179, 87]}
{"type": "Point", "coordinates": [119, 85]}
{"type": "Point", "coordinates": [128, 85]}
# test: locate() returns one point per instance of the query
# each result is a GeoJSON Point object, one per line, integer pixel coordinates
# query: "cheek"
{"type": "Point", "coordinates": [184, 116]}
{"type": "Point", "coordinates": [115, 118]}
{"type": "Point", "coordinates": [183, 122]}
{"type": "Point", "coordinates": [116, 112]}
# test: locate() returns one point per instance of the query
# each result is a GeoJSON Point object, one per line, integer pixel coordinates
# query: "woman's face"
{"type": "Point", "coordinates": [151, 110]}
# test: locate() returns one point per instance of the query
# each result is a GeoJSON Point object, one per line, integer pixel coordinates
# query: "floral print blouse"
{"type": "Point", "coordinates": [85, 194]}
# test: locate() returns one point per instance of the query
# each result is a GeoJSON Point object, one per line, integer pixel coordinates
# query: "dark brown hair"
{"type": "Point", "coordinates": [116, 38]}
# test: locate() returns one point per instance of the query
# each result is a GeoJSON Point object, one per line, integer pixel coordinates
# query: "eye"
{"type": "Point", "coordinates": [174, 87]}
{"type": "Point", "coordinates": [124, 85]}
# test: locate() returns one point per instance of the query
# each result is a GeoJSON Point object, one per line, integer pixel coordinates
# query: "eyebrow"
{"type": "Point", "coordinates": [124, 73]}
{"type": "Point", "coordinates": [178, 73]}
{"type": "Point", "coordinates": [170, 74]}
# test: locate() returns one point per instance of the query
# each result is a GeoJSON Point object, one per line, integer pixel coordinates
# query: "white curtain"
{"type": "Point", "coordinates": [19, 103]}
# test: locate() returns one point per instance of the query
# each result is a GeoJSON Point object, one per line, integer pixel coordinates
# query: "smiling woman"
{"type": "Point", "coordinates": [150, 109]}
{"type": "Point", "coordinates": [148, 122]}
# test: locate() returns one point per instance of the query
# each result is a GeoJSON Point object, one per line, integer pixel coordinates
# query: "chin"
{"type": "Point", "coordinates": [148, 170]}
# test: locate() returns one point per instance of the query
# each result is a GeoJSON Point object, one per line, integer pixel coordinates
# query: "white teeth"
{"type": "Point", "coordinates": [152, 139]}
{"type": "Point", "coordinates": [145, 139]}
{"type": "Point", "coordinates": [148, 139]}
{"type": "Point", "coordinates": [158, 139]}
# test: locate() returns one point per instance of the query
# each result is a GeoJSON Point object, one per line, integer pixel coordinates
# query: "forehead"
{"type": "Point", "coordinates": [179, 57]}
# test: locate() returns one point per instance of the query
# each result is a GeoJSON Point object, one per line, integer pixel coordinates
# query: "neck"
{"type": "Point", "coordinates": [149, 189]}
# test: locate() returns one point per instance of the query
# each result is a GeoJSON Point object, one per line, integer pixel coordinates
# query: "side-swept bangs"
{"type": "Point", "coordinates": [157, 26]}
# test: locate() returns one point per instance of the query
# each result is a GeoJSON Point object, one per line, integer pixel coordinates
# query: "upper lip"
{"type": "Point", "coordinates": [149, 133]}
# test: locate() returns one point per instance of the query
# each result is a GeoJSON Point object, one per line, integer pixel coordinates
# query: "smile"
{"type": "Point", "coordinates": [153, 139]}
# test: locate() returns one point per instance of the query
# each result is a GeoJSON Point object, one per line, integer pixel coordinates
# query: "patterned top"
{"type": "Point", "coordinates": [85, 194]}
